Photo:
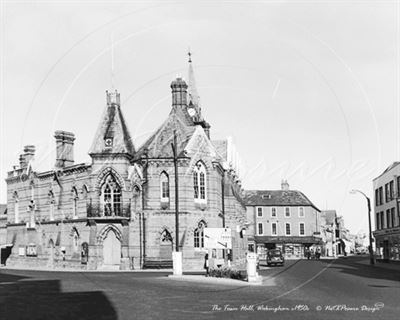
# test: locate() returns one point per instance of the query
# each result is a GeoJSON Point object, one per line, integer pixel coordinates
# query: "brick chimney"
{"type": "Point", "coordinates": [65, 148]}
{"type": "Point", "coordinates": [284, 185]}
{"type": "Point", "coordinates": [22, 162]}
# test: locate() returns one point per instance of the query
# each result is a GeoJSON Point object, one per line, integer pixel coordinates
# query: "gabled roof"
{"type": "Point", "coordinates": [159, 144]}
{"type": "Point", "coordinates": [329, 216]}
{"type": "Point", "coordinates": [221, 146]}
{"type": "Point", "coordinates": [276, 198]}
{"type": "Point", "coordinates": [112, 126]}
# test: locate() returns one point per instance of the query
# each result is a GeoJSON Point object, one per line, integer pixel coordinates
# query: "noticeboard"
{"type": "Point", "coordinates": [217, 238]}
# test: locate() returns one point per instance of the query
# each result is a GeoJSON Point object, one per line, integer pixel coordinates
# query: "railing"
{"type": "Point", "coordinates": [96, 211]}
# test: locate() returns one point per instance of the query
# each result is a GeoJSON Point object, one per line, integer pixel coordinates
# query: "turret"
{"type": "Point", "coordinates": [179, 93]}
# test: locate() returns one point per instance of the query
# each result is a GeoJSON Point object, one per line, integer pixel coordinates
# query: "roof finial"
{"type": "Point", "coordinates": [190, 55]}
{"type": "Point", "coordinates": [112, 61]}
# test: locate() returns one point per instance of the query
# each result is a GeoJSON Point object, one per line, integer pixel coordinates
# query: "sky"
{"type": "Point", "coordinates": [308, 90]}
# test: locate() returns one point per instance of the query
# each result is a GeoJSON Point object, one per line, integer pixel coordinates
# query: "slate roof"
{"type": "Point", "coordinates": [159, 144]}
{"type": "Point", "coordinates": [277, 198]}
{"type": "Point", "coordinates": [221, 146]}
{"type": "Point", "coordinates": [113, 126]}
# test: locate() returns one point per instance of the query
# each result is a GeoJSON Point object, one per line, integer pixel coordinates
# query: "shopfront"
{"type": "Point", "coordinates": [291, 247]}
{"type": "Point", "coordinates": [388, 244]}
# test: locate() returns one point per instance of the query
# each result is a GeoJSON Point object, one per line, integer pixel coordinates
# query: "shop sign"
{"type": "Point", "coordinates": [21, 251]}
{"type": "Point", "coordinates": [217, 238]}
{"type": "Point", "coordinates": [31, 250]}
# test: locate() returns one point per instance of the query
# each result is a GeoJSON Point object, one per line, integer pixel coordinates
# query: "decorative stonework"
{"type": "Point", "coordinates": [103, 233]}
{"type": "Point", "coordinates": [103, 175]}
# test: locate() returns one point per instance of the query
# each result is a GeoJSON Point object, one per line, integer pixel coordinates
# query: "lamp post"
{"type": "Point", "coordinates": [371, 254]}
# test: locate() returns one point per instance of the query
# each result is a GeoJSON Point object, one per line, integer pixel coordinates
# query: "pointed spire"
{"type": "Point", "coordinates": [112, 136]}
{"type": "Point", "coordinates": [193, 96]}
{"type": "Point", "coordinates": [112, 62]}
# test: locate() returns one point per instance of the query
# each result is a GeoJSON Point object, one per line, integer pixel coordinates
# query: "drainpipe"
{"type": "Point", "coordinates": [140, 241]}
{"type": "Point", "coordinates": [144, 239]}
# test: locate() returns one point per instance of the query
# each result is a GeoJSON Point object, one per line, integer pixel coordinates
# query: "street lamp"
{"type": "Point", "coordinates": [371, 254]}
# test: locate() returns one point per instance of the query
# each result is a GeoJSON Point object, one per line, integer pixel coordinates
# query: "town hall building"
{"type": "Point", "coordinates": [118, 212]}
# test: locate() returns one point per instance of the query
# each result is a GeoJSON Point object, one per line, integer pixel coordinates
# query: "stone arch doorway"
{"type": "Point", "coordinates": [111, 249]}
{"type": "Point", "coordinates": [166, 245]}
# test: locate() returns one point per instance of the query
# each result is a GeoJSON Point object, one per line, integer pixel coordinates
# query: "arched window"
{"type": "Point", "coordinates": [111, 197]}
{"type": "Point", "coordinates": [199, 182]}
{"type": "Point", "coordinates": [75, 239]}
{"type": "Point", "coordinates": [199, 235]}
{"type": "Point", "coordinates": [51, 205]}
{"type": "Point", "coordinates": [85, 192]}
{"type": "Point", "coordinates": [166, 236]}
{"type": "Point", "coordinates": [16, 208]}
{"type": "Point", "coordinates": [74, 203]}
{"type": "Point", "coordinates": [164, 187]}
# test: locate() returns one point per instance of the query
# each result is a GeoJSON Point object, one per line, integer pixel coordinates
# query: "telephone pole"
{"type": "Point", "coordinates": [174, 151]}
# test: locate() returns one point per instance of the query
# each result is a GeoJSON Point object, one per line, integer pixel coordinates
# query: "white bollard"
{"type": "Point", "coordinates": [177, 263]}
{"type": "Point", "coordinates": [252, 274]}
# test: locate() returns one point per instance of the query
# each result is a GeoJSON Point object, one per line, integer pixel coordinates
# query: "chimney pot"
{"type": "Point", "coordinates": [284, 185]}
{"type": "Point", "coordinates": [29, 153]}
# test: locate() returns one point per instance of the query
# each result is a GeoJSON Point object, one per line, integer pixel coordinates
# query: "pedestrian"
{"type": "Point", "coordinates": [317, 254]}
{"type": "Point", "coordinates": [308, 254]}
{"type": "Point", "coordinates": [206, 264]}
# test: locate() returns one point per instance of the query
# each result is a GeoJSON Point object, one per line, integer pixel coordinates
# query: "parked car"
{"type": "Point", "coordinates": [275, 257]}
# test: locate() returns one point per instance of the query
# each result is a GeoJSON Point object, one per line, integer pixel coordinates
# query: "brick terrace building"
{"type": "Point", "coordinates": [118, 212]}
{"type": "Point", "coordinates": [386, 212]}
{"type": "Point", "coordinates": [284, 219]}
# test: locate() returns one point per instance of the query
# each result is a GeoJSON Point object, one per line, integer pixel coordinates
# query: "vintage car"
{"type": "Point", "coordinates": [275, 257]}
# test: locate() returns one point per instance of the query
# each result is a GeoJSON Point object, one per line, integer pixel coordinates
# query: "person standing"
{"type": "Point", "coordinates": [206, 264]}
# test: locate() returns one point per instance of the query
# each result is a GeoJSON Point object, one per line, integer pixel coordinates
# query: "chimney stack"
{"type": "Point", "coordinates": [65, 148]}
{"type": "Point", "coordinates": [179, 92]}
{"type": "Point", "coordinates": [22, 162]}
{"type": "Point", "coordinates": [29, 153]}
{"type": "Point", "coordinates": [284, 185]}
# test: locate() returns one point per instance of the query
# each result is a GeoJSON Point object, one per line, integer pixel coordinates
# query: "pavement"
{"type": "Point", "coordinates": [343, 288]}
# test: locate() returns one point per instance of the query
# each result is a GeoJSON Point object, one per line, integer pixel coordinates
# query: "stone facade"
{"type": "Point", "coordinates": [118, 212]}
